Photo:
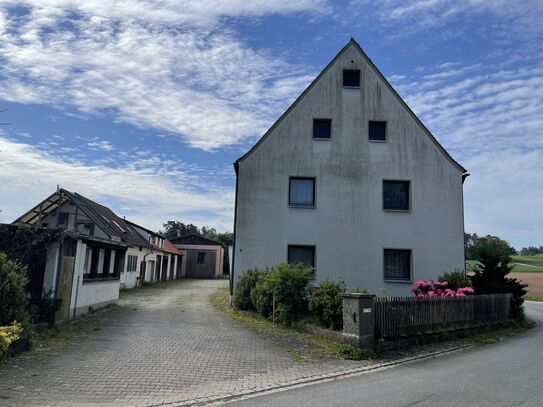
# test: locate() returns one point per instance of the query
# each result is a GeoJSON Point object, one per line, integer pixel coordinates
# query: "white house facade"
{"type": "Point", "coordinates": [97, 253]}
{"type": "Point", "coordinates": [351, 182]}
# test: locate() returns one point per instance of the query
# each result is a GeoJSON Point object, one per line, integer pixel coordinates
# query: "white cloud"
{"type": "Point", "coordinates": [178, 12]}
{"type": "Point", "coordinates": [491, 109]}
{"type": "Point", "coordinates": [522, 17]}
{"type": "Point", "coordinates": [504, 195]}
{"type": "Point", "coordinates": [150, 191]}
{"type": "Point", "coordinates": [173, 67]}
{"type": "Point", "coordinates": [101, 145]}
{"type": "Point", "coordinates": [489, 118]}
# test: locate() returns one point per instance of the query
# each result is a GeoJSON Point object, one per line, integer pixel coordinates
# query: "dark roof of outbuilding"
{"type": "Point", "coordinates": [195, 240]}
{"type": "Point", "coordinates": [107, 220]}
{"type": "Point", "coordinates": [151, 232]}
{"type": "Point", "coordinates": [114, 226]}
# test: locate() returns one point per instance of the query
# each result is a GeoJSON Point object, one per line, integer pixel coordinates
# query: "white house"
{"type": "Point", "coordinates": [84, 267]}
{"type": "Point", "coordinates": [98, 252]}
{"type": "Point", "coordinates": [350, 181]}
{"type": "Point", "coordinates": [159, 261]}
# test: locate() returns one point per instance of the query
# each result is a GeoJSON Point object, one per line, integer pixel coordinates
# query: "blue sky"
{"type": "Point", "coordinates": [143, 105]}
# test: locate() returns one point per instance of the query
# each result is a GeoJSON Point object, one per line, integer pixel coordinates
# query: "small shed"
{"type": "Point", "coordinates": [203, 257]}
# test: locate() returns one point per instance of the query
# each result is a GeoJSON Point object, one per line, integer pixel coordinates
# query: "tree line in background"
{"type": "Point", "coordinates": [173, 229]}
{"type": "Point", "coordinates": [531, 251]}
{"type": "Point", "coordinates": [473, 244]}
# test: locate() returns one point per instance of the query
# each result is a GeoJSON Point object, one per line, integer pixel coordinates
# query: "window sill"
{"type": "Point", "coordinates": [397, 210]}
{"type": "Point", "coordinates": [378, 141]}
{"type": "Point", "coordinates": [322, 138]}
{"type": "Point", "coordinates": [351, 87]}
{"type": "Point", "coordinates": [398, 281]}
{"type": "Point", "coordinates": [100, 280]}
{"type": "Point", "coordinates": [302, 206]}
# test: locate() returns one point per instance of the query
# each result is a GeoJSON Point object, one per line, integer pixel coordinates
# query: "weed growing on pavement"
{"type": "Point", "coordinates": [303, 345]}
{"type": "Point", "coordinates": [496, 336]}
{"type": "Point", "coordinates": [48, 341]}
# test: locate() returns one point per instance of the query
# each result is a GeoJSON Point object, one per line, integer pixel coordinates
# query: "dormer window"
{"type": "Point", "coordinates": [351, 78]}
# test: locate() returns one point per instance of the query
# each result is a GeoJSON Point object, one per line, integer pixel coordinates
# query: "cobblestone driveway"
{"type": "Point", "coordinates": [173, 347]}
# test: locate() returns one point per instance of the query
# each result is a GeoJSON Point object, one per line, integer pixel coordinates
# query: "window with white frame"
{"type": "Point", "coordinates": [88, 260]}
{"type": "Point", "coordinates": [131, 263]}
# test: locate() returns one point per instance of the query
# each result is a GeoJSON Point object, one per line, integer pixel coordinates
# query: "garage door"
{"type": "Point", "coordinates": [201, 264]}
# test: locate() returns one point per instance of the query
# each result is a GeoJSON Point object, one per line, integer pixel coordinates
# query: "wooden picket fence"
{"type": "Point", "coordinates": [406, 316]}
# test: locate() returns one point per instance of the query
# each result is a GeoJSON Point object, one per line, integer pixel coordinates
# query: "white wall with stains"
{"type": "Point", "coordinates": [348, 225]}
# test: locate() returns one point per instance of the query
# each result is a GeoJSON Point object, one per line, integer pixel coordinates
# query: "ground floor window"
{"type": "Point", "coordinates": [131, 263]}
{"type": "Point", "coordinates": [302, 254]}
{"type": "Point", "coordinates": [397, 264]}
{"type": "Point", "coordinates": [87, 264]}
{"type": "Point", "coordinates": [102, 263]}
{"type": "Point", "coordinates": [201, 258]}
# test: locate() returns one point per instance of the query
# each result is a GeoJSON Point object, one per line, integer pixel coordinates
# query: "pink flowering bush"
{"type": "Point", "coordinates": [423, 288]}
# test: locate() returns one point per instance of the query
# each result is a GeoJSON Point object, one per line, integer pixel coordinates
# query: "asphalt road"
{"type": "Point", "coordinates": [508, 373]}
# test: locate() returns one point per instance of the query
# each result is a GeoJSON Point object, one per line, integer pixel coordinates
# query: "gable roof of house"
{"type": "Point", "coordinates": [195, 240]}
{"type": "Point", "coordinates": [352, 42]}
{"type": "Point", "coordinates": [112, 225]}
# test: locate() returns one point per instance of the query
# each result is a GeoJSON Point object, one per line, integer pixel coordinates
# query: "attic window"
{"type": "Point", "coordinates": [377, 131]}
{"type": "Point", "coordinates": [63, 218]}
{"type": "Point", "coordinates": [322, 129]}
{"type": "Point", "coordinates": [351, 78]}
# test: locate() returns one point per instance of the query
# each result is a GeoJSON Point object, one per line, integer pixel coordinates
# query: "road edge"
{"type": "Point", "coordinates": [310, 380]}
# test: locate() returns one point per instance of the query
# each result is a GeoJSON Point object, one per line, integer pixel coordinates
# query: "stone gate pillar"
{"type": "Point", "coordinates": [359, 319]}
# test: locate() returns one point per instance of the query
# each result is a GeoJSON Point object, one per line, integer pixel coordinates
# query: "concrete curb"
{"type": "Point", "coordinates": [306, 381]}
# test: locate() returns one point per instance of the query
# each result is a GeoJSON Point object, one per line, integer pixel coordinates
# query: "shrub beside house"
{"type": "Point", "coordinates": [284, 294]}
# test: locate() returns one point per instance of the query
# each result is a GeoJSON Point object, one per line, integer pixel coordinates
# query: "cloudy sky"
{"type": "Point", "coordinates": [143, 105]}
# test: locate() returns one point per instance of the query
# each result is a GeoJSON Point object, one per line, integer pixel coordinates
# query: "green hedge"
{"type": "Point", "coordinates": [280, 293]}
{"type": "Point", "coordinates": [13, 296]}
{"type": "Point", "coordinates": [326, 303]}
{"type": "Point", "coordinates": [242, 294]}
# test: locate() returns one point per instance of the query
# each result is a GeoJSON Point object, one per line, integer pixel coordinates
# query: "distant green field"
{"type": "Point", "coordinates": [523, 264]}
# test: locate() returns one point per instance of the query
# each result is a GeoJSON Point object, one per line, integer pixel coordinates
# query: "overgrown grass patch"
{"type": "Point", "coordinates": [533, 298]}
{"type": "Point", "coordinates": [499, 334]}
{"type": "Point", "coordinates": [50, 340]}
{"type": "Point", "coordinates": [302, 345]}
{"type": "Point", "coordinates": [164, 285]}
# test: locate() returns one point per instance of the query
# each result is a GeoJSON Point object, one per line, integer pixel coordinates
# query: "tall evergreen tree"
{"type": "Point", "coordinates": [490, 276]}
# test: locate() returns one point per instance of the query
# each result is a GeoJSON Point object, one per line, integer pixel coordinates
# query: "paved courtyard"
{"type": "Point", "coordinates": [166, 345]}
